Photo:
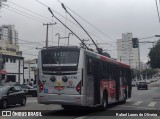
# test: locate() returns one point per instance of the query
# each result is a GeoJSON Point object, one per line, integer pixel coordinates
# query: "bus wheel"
{"type": "Point", "coordinates": [104, 102]}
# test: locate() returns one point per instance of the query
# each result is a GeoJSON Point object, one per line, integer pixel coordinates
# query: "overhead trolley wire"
{"type": "Point", "coordinates": [157, 10]}
{"type": "Point", "coordinates": [87, 22]}
{"type": "Point", "coordinates": [23, 15]}
{"type": "Point", "coordinates": [69, 20]}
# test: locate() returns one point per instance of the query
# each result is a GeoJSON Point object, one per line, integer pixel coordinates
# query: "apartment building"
{"type": "Point", "coordinates": [128, 50]}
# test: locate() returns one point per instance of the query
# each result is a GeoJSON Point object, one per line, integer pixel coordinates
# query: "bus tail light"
{"type": "Point", "coordinates": [40, 86]}
{"type": "Point", "coordinates": [78, 87]}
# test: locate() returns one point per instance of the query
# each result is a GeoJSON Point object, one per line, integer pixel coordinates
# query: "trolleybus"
{"type": "Point", "coordinates": [73, 76]}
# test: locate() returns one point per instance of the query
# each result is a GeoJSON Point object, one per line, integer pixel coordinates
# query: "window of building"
{"type": "Point", "coordinates": [11, 60]}
{"type": "Point", "coordinates": [6, 59]}
{"type": "Point", "coordinates": [25, 67]}
{"type": "Point", "coordinates": [14, 60]}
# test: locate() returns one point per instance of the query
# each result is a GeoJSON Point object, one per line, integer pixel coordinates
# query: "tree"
{"type": "Point", "coordinates": [154, 56]}
{"type": "Point", "coordinates": [146, 73]}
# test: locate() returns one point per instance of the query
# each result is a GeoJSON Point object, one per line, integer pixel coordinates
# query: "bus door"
{"type": "Point", "coordinates": [117, 83]}
{"type": "Point", "coordinates": [96, 82]}
{"type": "Point", "coordinates": [93, 86]}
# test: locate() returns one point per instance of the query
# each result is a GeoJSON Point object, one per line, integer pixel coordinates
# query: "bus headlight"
{"type": "Point", "coordinates": [52, 78]}
{"type": "Point", "coordinates": [65, 79]}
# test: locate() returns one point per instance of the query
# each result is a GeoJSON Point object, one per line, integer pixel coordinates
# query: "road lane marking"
{"type": "Point", "coordinates": [138, 103]}
{"type": "Point", "coordinates": [152, 104]}
{"type": "Point", "coordinates": [82, 117]}
{"type": "Point", "coordinates": [139, 107]}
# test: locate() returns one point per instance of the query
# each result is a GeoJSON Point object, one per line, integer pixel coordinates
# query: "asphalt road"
{"type": "Point", "coordinates": [142, 100]}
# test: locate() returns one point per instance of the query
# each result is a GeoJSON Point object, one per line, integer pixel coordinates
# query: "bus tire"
{"type": "Point", "coordinates": [104, 102]}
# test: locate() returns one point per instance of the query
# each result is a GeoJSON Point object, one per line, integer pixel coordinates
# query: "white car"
{"type": "Point", "coordinates": [148, 81]}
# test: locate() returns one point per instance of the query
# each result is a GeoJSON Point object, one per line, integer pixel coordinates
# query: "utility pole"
{"type": "Point", "coordinates": [47, 32]}
{"type": "Point", "coordinates": [29, 70]}
{"type": "Point", "coordinates": [1, 60]}
{"type": "Point", "coordinates": [139, 60]}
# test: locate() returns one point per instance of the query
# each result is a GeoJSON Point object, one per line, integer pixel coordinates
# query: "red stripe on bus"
{"type": "Point", "coordinates": [114, 62]}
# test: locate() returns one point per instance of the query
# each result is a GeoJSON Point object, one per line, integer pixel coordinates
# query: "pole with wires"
{"type": "Point", "coordinates": [47, 32]}
{"type": "Point", "coordinates": [68, 29]}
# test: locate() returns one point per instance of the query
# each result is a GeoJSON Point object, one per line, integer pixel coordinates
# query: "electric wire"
{"type": "Point", "coordinates": [68, 20]}
{"type": "Point", "coordinates": [23, 15]}
{"type": "Point", "coordinates": [87, 22]}
{"type": "Point", "coordinates": [29, 10]}
{"type": "Point", "coordinates": [157, 10]}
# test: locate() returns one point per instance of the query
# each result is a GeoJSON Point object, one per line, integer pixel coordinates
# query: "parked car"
{"type": "Point", "coordinates": [11, 95]}
{"type": "Point", "coordinates": [30, 90]}
{"type": "Point", "coordinates": [142, 84]}
{"type": "Point", "coordinates": [148, 81]}
{"type": "Point", "coordinates": [134, 83]}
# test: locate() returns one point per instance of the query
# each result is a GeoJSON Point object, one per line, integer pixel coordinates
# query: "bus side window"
{"type": "Point", "coordinates": [89, 66]}
{"type": "Point", "coordinates": [124, 74]}
{"type": "Point", "coordinates": [105, 70]}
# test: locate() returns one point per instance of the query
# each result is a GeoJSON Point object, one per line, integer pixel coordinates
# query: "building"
{"type": "Point", "coordinates": [13, 62]}
{"type": "Point", "coordinates": [9, 40]}
{"type": "Point", "coordinates": [13, 65]}
{"type": "Point", "coordinates": [128, 50]}
{"type": "Point", "coordinates": [30, 71]}
{"type": "Point", "coordinates": [8, 33]}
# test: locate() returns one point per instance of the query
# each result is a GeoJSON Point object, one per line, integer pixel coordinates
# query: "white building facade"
{"type": "Point", "coordinates": [13, 65]}
{"type": "Point", "coordinates": [126, 53]}
{"type": "Point", "coordinates": [30, 71]}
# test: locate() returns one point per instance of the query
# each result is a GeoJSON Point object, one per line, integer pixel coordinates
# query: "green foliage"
{"type": "Point", "coordinates": [154, 56]}
{"type": "Point", "coordinates": [148, 72]}
{"type": "Point", "coordinates": [134, 73]}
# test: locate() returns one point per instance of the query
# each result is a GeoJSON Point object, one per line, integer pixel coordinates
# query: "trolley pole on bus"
{"type": "Point", "coordinates": [47, 31]}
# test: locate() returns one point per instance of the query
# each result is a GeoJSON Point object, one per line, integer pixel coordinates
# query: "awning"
{"type": "Point", "coordinates": [3, 72]}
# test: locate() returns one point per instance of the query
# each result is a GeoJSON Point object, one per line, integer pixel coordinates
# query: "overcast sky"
{"type": "Point", "coordinates": [110, 17]}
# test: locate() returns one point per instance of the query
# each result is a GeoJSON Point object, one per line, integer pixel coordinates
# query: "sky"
{"type": "Point", "coordinates": [106, 21]}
